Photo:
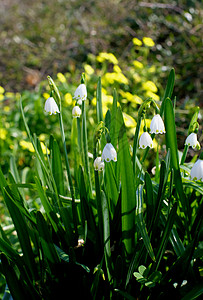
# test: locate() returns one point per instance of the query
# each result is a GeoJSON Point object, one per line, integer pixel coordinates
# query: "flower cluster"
{"type": "Point", "coordinates": [156, 126]}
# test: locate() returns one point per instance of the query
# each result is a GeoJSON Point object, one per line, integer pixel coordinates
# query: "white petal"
{"type": "Point", "coordinates": [50, 106]}
{"type": "Point", "coordinates": [157, 125]}
{"type": "Point", "coordinates": [145, 141]}
{"type": "Point", "coordinates": [197, 170]}
{"type": "Point", "coordinates": [109, 153]}
{"type": "Point", "coordinates": [81, 92]}
{"type": "Point", "coordinates": [191, 140]}
{"type": "Point", "coordinates": [76, 112]}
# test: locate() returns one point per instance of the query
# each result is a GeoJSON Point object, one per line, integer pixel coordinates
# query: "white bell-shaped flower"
{"type": "Point", "coordinates": [192, 141]}
{"type": "Point", "coordinates": [197, 170]}
{"type": "Point", "coordinates": [50, 106]}
{"type": "Point", "coordinates": [157, 125]}
{"type": "Point", "coordinates": [98, 164]}
{"type": "Point", "coordinates": [109, 153]}
{"type": "Point", "coordinates": [145, 141]}
{"type": "Point", "coordinates": [80, 93]}
{"type": "Point", "coordinates": [76, 112]}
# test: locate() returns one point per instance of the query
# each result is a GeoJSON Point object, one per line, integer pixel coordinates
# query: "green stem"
{"type": "Point", "coordinates": [85, 146]}
{"type": "Point", "coordinates": [184, 154]}
{"type": "Point", "coordinates": [135, 144]}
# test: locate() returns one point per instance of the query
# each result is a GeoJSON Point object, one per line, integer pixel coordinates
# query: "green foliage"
{"type": "Point", "coordinates": [120, 233]}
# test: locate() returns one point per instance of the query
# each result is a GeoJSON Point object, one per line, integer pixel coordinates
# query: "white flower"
{"type": "Point", "coordinates": [157, 125]}
{"type": "Point", "coordinates": [192, 141]}
{"type": "Point", "coordinates": [50, 106]}
{"type": "Point", "coordinates": [98, 164]}
{"type": "Point", "coordinates": [109, 153]}
{"type": "Point", "coordinates": [76, 112]}
{"type": "Point", "coordinates": [145, 141]}
{"type": "Point", "coordinates": [197, 170]}
{"type": "Point", "coordinates": [80, 93]}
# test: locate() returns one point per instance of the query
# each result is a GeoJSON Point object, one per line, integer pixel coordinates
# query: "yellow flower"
{"type": "Point", "coordinates": [1, 97]}
{"type": "Point", "coordinates": [46, 96]}
{"type": "Point", "coordinates": [150, 86]}
{"type": "Point", "coordinates": [107, 56]}
{"type": "Point", "coordinates": [121, 78]}
{"type": "Point", "coordinates": [148, 42]}
{"type": "Point", "coordinates": [137, 42]}
{"type": "Point", "coordinates": [138, 64]}
{"type": "Point", "coordinates": [88, 69]}
{"type": "Point", "coordinates": [136, 77]}
{"type": "Point", "coordinates": [68, 99]}
{"type": "Point", "coordinates": [6, 108]}
{"type": "Point", "coordinates": [117, 69]}
{"type": "Point", "coordinates": [27, 146]}
{"type": "Point", "coordinates": [152, 95]}
{"type": "Point", "coordinates": [131, 98]}
{"type": "Point", "coordinates": [61, 77]}
{"type": "Point", "coordinates": [129, 121]}
{"type": "Point", "coordinates": [44, 149]}
{"type": "Point", "coordinates": [2, 90]}
{"type": "Point", "coordinates": [152, 69]}
{"type": "Point", "coordinates": [9, 94]}
{"type": "Point", "coordinates": [3, 133]}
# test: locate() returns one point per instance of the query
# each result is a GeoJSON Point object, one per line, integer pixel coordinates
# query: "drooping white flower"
{"type": "Point", "coordinates": [192, 141]}
{"type": "Point", "coordinates": [50, 106]}
{"type": "Point", "coordinates": [76, 112]}
{"type": "Point", "coordinates": [98, 164]}
{"type": "Point", "coordinates": [157, 125]}
{"type": "Point", "coordinates": [80, 93]}
{"type": "Point", "coordinates": [109, 153]}
{"type": "Point", "coordinates": [197, 170]}
{"type": "Point", "coordinates": [145, 141]}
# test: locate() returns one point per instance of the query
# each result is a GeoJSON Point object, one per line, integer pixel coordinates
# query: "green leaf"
{"type": "Point", "coordinates": [114, 125]}
{"type": "Point", "coordinates": [169, 89]}
{"type": "Point", "coordinates": [165, 236]}
{"type": "Point", "coordinates": [127, 191]}
{"type": "Point", "coordinates": [149, 198]}
{"type": "Point", "coordinates": [141, 224]}
{"type": "Point", "coordinates": [141, 269]}
{"type": "Point", "coordinates": [171, 142]}
{"type": "Point", "coordinates": [99, 101]}
{"type": "Point", "coordinates": [48, 248]}
{"type": "Point", "coordinates": [57, 169]}
{"type": "Point", "coordinates": [22, 230]}
{"type": "Point", "coordinates": [106, 226]}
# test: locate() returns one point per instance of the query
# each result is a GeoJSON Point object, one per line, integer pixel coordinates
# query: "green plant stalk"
{"type": "Point", "coordinates": [98, 196]}
{"type": "Point", "coordinates": [74, 209]}
{"type": "Point", "coordinates": [85, 146]}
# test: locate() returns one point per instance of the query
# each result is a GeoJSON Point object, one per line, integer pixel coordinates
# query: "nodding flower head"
{"type": "Point", "coordinates": [76, 112]}
{"type": "Point", "coordinates": [197, 170]}
{"type": "Point", "coordinates": [157, 125]}
{"type": "Point", "coordinates": [50, 106]}
{"type": "Point", "coordinates": [98, 164]}
{"type": "Point", "coordinates": [192, 141]}
{"type": "Point", "coordinates": [109, 153]}
{"type": "Point", "coordinates": [145, 141]}
{"type": "Point", "coordinates": [80, 93]}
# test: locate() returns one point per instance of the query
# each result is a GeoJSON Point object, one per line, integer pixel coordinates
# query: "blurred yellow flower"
{"type": "Point", "coordinates": [2, 90]}
{"type": "Point", "coordinates": [152, 69]}
{"type": "Point", "coordinates": [107, 56]}
{"type": "Point", "coordinates": [150, 86]}
{"type": "Point", "coordinates": [148, 42]}
{"type": "Point", "coordinates": [138, 64]}
{"type": "Point", "coordinates": [46, 96]}
{"type": "Point", "coordinates": [152, 95]}
{"type": "Point", "coordinates": [137, 42]}
{"type": "Point", "coordinates": [88, 69]}
{"type": "Point", "coordinates": [129, 121]}
{"type": "Point", "coordinates": [3, 133]}
{"type": "Point", "coordinates": [68, 99]}
{"type": "Point", "coordinates": [136, 77]}
{"type": "Point", "coordinates": [61, 77]}
{"type": "Point", "coordinates": [117, 69]}
{"type": "Point", "coordinates": [1, 97]}
{"type": "Point", "coordinates": [7, 108]}
{"type": "Point", "coordinates": [27, 146]}
{"type": "Point", "coordinates": [9, 94]}
{"type": "Point", "coordinates": [121, 78]}
{"type": "Point", "coordinates": [130, 97]}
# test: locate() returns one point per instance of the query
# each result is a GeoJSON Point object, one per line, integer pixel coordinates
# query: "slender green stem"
{"type": "Point", "coordinates": [184, 154]}
{"type": "Point", "coordinates": [85, 146]}
{"type": "Point", "coordinates": [135, 144]}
